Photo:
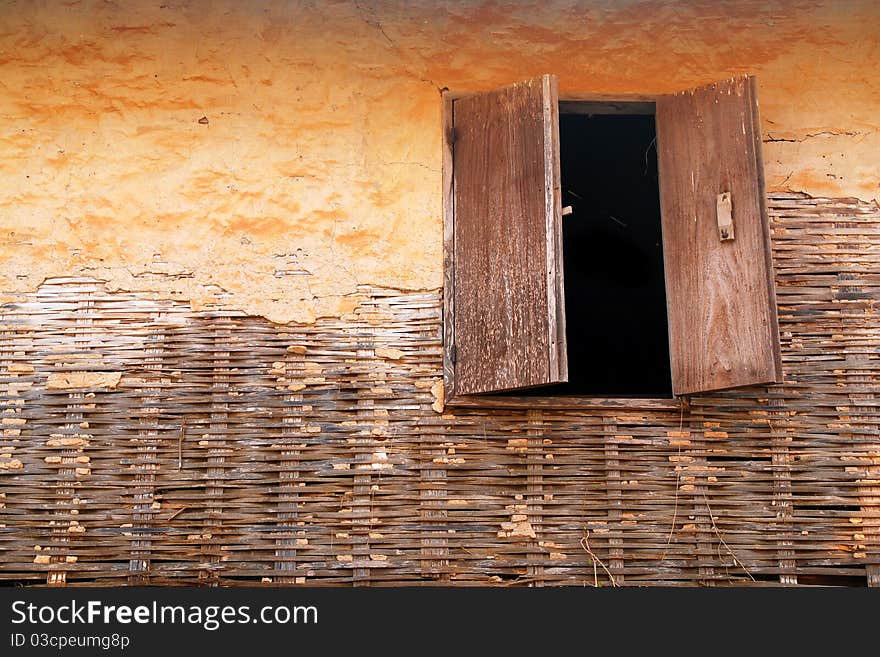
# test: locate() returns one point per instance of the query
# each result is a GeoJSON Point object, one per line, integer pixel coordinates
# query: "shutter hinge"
{"type": "Point", "coordinates": [453, 354]}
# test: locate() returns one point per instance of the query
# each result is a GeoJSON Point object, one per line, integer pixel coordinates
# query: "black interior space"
{"type": "Point", "coordinates": [615, 295]}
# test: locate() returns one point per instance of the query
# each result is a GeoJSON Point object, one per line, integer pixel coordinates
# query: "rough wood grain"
{"type": "Point", "coordinates": [722, 312]}
{"type": "Point", "coordinates": [553, 218]}
{"type": "Point", "coordinates": [448, 136]}
{"type": "Point", "coordinates": [508, 326]}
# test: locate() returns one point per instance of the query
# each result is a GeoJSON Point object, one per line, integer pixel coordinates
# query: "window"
{"type": "Point", "coordinates": [605, 248]}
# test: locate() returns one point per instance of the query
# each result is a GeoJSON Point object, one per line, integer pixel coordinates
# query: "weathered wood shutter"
{"type": "Point", "coordinates": [723, 329]}
{"type": "Point", "coordinates": [508, 312]}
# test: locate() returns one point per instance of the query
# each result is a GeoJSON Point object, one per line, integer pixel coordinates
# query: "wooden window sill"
{"type": "Point", "coordinates": [570, 403]}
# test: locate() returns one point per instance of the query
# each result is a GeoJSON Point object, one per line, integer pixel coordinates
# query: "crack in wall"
{"type": "Point", "coordinates": [376, 24]}
{"type": "Point", "coordinates": [823, 133]}
{"type": "Point", "coordinates": [416, 164]}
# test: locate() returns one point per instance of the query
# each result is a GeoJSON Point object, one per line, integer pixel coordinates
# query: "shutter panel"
{"type": "Point", "coordinates": [723, 330]}
{"type": "Point", "coordinates": [508, 322]}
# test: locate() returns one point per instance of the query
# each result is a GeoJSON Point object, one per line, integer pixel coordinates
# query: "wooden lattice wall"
{"type": "Point", "coordinates": [144, 443]}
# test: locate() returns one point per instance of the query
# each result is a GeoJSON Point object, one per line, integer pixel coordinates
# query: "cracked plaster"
{"type": "Point", "coordinates": [273, 156]}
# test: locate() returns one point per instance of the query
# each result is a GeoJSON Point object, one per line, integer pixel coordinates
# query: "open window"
{"type": "Point", "coordinates": [605, 248]}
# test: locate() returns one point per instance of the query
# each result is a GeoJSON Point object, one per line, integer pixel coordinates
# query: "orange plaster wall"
{"type": "Point", "coordinates": [284, 153]}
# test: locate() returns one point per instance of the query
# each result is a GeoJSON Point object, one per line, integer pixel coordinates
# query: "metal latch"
{"type": "Point", "coordinates": [724, 209]}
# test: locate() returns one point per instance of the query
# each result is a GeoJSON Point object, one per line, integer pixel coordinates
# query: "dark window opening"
{"type": "Point", "coordinates": [615, 292]}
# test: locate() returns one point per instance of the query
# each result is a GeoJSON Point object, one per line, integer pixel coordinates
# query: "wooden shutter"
{"type": "Point", "coordinates": [507, 310]}
{"type": "Point", "coordinates": [723, 329]}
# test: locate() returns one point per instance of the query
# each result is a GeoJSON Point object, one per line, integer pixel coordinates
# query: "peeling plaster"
{"type": "Point", "coordinates": [244, 155]}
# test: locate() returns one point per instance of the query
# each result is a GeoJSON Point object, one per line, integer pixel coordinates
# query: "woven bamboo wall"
{"type": "Point", "coordinates": [144, 443]}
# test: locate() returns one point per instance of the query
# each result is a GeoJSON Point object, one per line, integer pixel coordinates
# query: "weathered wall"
{"type": "Point", "coordinates": [177, 179]}
{"type": "Point", "coordinates": [286, 152]}
{"type": "Point", "coordinates": [146, 443]}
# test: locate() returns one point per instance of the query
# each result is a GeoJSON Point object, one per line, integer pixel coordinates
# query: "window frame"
{"type": "Point", "coordinates": [550, 401]}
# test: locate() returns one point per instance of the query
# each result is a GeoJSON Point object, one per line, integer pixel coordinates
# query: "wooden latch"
{"type": "Point", "coordinates": [724, 209]}
{"type": "Point", "coordinates": [566, 210]}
